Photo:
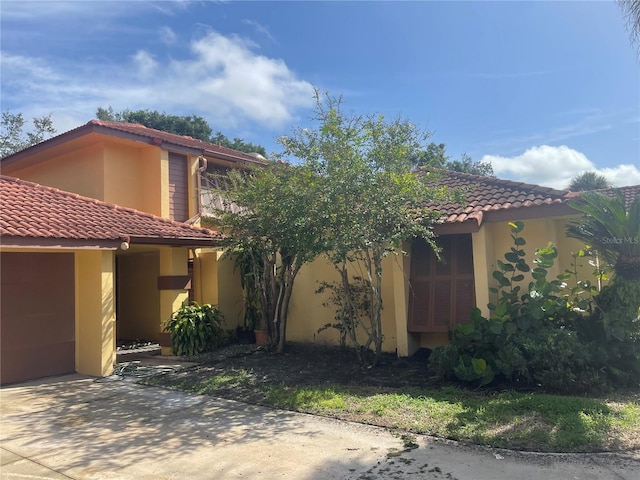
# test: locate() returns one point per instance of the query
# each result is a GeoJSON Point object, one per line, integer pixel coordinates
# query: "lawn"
{"type": "Point", "coordinates": [399, 395]}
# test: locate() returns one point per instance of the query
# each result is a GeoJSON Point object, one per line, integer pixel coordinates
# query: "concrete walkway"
{"type": "Point", "coordinates": [75, 427]}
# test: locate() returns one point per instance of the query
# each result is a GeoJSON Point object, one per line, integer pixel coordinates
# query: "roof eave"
{"type": "Point", "coordinates": [9, 241]}
{"type": "Point", "coordinates": [176, 241]}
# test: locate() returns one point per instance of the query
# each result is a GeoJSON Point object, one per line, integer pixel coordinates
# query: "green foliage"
{"type": "Point", "coordinates": [277, 217]}
{"type": "Point", "coordinates": [195, 329]}
{"type": "Point", "coordinates": [13, 138]}
{"type": "Point", "coordinates": [612, 228]}
{"type": "Point", "coordinates": [190, 125]}
{"type": "Point", "coordinates": [369, 201]}
{"type": "Point", "coordinates": [614, 331]}
{"type": "Point", "coordinates": [467, 165]}
{"type": "Point", "coordinates": [506, 418]}
{"type": "Point", "coordinates": [588, 181]}
{"type": "Point", "coordinates": [434, 156]}
{"type": "Point", "coordinates": [351, 306]}
{"type": "Point", "coordinates": [250, 265]}
{"type": "Point", "coordinates": [238, 144]}
{"type": "Point", "coordinates": [529, 338]}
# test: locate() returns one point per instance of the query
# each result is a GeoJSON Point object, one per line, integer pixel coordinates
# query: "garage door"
{"type": "Point", "coordinates": [37, 315]}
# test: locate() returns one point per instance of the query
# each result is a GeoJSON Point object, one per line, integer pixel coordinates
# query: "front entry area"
{"type": "Point", "coordinates": [137, 296]}
{"type": "Point", "coordinates": [37, 315]}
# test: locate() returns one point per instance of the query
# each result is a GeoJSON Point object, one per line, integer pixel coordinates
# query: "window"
{"type": "Point", "coordinates": [178, 188]}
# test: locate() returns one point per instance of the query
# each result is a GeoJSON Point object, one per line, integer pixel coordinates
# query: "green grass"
{"type": "Point", "coordinates": [526, 421]}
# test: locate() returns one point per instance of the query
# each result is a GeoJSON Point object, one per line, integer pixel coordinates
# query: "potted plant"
{"type": "Point", "coordinates": [259, 330]}
{"type": "Point", "coordinates": [248, 262]}
{"type": "Point", "coordinates": [246, 334]}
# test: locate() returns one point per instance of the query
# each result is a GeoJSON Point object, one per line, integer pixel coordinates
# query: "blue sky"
{"type": "Point", "coordinates": [543, 90]}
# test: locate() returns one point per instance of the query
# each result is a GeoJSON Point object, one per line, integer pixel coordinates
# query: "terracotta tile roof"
{"type": "Point", "coordinates": [137, 132]}
{"type": "Point", "coordinates": [32, 211]}
{"type": "Point", "coordinates": [630, 193]}
{"type": "Point", "coordinates": [485, 195]}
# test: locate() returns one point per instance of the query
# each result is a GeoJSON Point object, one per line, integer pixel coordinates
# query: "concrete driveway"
{"type": "Point", "coordinates": [75, 427]}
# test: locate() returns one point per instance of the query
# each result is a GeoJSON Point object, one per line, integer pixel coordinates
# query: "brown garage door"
{"type": "Point", "coordinates": [37, 315]}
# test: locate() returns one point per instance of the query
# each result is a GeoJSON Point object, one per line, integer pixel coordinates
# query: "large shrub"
{"type": "Point", "coordinates": [610, 224]}
{"type": "Point", "coordinates": [529, 338]}
{"type": "Point", "coordinates": [196, 328]}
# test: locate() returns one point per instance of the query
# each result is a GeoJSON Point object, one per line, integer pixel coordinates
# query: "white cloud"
{"type": "Point", "coordinates": [221, 78]}
{"type": "Point", "coordinates": [259, 28]}
{"type": "Point", "coordinates": [30, 68]}
{"type": "Point", "coordinates": [227, 75]}
{"type": "Point", "coordinates": [556, 166]}
{"type": "Point", "coordinates": [145, 63]}
{"type": "Point", "coordinates": [622, 175]}
{"type": "Point", "coordinates": [167, 36]}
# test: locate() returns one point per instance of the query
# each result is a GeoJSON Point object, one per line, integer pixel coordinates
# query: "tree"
{"type": "Point", "coordinates": [13, 138]}
{"type": "Point", "coordinates": [435, 156]}
{"type": "Point", "coordinates": [276, 224]}
{"type": "Point", "coordinates": [631, 11]}
{"type": "Point", "coordinates": [190, 125]}
{"type": "Point", "coordinates": [612, 228]}
{"type": "Point", "coordinates": [467, 165]}
{"type": "Point", "coordinates": [238, 144]}
{"type": "Point", "coordinates": [588, 181]}
{"type": "Point", "coordinates": [370, 202]}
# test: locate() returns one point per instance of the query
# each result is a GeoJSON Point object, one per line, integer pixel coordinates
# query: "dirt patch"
{"type": "Point", "coordinates": [240, 371]}
{"type": "Point", "coordinates": [306, 364]}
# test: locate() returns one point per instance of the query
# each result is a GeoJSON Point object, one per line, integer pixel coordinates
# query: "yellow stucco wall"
{"type": "Point", "coordinates": [132, 176]}
{"type": "Point", "coordinates": [95, 312]}
{"type": "Point", "coordinates": [205, 276]}
{"type": "Point", "coordinates": [80, 171]}
{"type": "Point", "coordinates": [537, 233]}
{"type": "Point", "coordinates": [127, 173]}
{"type": "Point", "coordinates": [307, 313]}
{"type": "Point", "coordinates": [230, 295]}
{"type": "Point", "coordinates": [173, 261]}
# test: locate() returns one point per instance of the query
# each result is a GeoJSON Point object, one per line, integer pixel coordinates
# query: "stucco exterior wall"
{"type": "Point", "coordinates": [80, 171]}
{"type": "Point", "coordinates": [95, 312]}
{"type": "Point", "coordinates": [132, 177]}
{"type": "Point", "coordinates": [173, 262]}
{"type": "Point", "coordinates": [307, 314]}
{"type": "Point", "coordinates": [205, 276]}
{"type": "Point", "coordinates": [230, 295]}
{"type": "Point", "coordinates": [537, 233]}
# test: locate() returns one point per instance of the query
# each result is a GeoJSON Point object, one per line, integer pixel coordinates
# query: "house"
{"type": "Point", "coordinates": [151, 171]}
{"type": "Point", "coordinates": [165, 175]}
{"type": "Point", "coordinates": [423, 297]}
{"type": "Point", "coordinates": [59, 291]}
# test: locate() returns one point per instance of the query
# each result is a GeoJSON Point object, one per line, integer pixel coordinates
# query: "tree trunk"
{"type": "Point", "coordinates": [289, 274]}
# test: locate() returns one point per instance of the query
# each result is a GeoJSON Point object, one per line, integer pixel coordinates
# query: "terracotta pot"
{"type": "Point", "coordinates": [262, 337]}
